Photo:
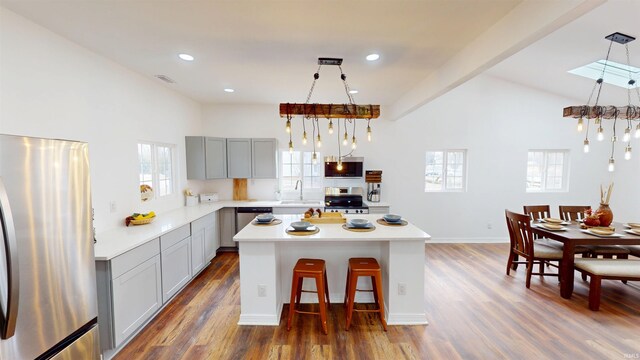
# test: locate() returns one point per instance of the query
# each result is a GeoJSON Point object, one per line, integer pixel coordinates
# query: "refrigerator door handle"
{"type": "Point", "coordinates": [8, 306]}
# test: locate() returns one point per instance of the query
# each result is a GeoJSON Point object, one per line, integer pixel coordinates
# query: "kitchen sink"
{"type": "Point", "coordinates": [301, 202]}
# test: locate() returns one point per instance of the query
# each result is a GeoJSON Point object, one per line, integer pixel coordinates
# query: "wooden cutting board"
{"type": "Point", "coordinates": [240, 189]}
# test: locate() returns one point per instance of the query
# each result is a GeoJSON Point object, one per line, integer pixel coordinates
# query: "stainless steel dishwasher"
{"type": "Point", "coordinates": [244, 215]}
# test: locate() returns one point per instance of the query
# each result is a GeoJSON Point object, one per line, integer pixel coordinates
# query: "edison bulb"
{"type": "Point", "coordinates": [290, 146]}
{"type": "Point", "coordinates": [627, 153]}
{"type": "Point", "coordinates": [580, 125]}
{"type": "Point", "coordinates": [330, 127]}
{"type": "Point", "coordinates": [345, 141]}
{"type": "Point", "coordinates": [319, 143]}
{"type": "Point", "coordinates": [339, 167]}
{"type": "Point", "coordinates": [288, 128]}
{"type": "Point", "coordinates": [600, 134]}
{"type": "Point", "coordinates": [368, 133]}
{"type": "Point", "coordinates": [612, 165]}
{"type": "Point", "coordinates": [304, 138]}
{"type": "Point", "coordinates": [586, 146]}
{"type": "Point", "coordinates": [353, 143]}
{"type": "Point", "coordinates": [314, 158]}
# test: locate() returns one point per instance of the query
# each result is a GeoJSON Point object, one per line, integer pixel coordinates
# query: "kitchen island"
{"type": "Point", "coordinates": [268, 254]}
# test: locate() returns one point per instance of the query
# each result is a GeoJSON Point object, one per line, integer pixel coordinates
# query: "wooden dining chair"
{"type": "Point", "coordinates": [536, 212]}
{"type": "Point", "coordinates": [523, 244]}
{"type": "Point", "coordinates": [575, 213]}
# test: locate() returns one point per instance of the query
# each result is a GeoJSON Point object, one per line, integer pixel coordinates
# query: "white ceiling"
{"type": "Point", "coordinates": [267, 50]}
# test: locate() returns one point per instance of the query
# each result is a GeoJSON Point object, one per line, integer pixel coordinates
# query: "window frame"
{"type": "Point", "coordinates": [302, 165]}
{"type": "Point", "coordinates": [445, 170]}
{"type": "Point", "coordinates": [155, 168]}
{"type": "Point", "coordinates": [566, 153]}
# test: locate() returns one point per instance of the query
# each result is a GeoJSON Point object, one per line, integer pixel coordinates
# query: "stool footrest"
{"type": "Point", "coordinates": [367, 310]}
{"type": "Point", "coordinates": [364, 290]}
{"type": "Point", "coordinates": [307, 312]}
{"type": "Point", "coordinates": [309, 291]}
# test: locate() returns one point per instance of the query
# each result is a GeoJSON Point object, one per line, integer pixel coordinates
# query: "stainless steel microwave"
{"type": "Point", "coordinates": [351, 167]}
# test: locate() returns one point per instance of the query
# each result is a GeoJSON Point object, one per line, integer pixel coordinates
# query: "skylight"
{"type": "Point", "coordinates": [615, 73]}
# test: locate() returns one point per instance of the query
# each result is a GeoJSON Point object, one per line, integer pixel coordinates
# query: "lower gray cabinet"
{"type": "Point", "coordinates": [227, 227]}
{"type": "Point", "coordinates": [129, 293]}
{"type": "Point", "coordinates": [197, 251]}
{"type": "Point", "coordinates": [207, 228]}
{"type": "Point", "coordinates": [176, 261]}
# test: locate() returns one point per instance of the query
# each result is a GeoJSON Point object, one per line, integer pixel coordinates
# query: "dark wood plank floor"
{"type": "Point", "coordinates": [474, 310]}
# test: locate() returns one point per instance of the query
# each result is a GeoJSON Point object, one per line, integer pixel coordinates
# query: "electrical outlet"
{"type": "Point", "coordinates": [262, 290]}
{"type": "Point", "coordinates": [402, 289]}
{"type": "Point", "coordinates": [113, 207]}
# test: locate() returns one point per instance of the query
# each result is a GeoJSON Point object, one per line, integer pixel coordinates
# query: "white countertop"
{"type": "Point", "coordinates": [376, 204]}
{"type": "Point", "coordinates": [330, 232]}
{"type": "Point", "coordinates": [114, 242]}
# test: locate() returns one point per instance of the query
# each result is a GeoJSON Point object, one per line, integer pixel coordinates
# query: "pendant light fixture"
{"type": "Point", "coordinates": [350, 113]}
{"type": "Point", "coordinates": [629, 113]}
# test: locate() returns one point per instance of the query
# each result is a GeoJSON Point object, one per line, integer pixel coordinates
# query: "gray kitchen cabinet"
{"type": "Point", "coordinates": [239, 158]}
{"type": "Point", "coordinates": [206, 228]}
{"type": "Point", "coordinates": [176, 261]}
{"type": "Point", "coordinates": [264, 159]}
{"type": "Point", "coordinates": [206, 157]}
{"type": "Point", "coordinates": [227, 227]}
{"type": "Point", "coordinates": [129, 293]}
{"type": "Point", "coordinates": [197, 252]}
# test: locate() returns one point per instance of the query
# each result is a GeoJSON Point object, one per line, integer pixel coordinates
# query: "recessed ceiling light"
{"type": "Point", "coordinates": [186, 57]}
{"type": "Point", "coordinates": [373, 57]}
{"type": "Point", "coordinates": [353, 91]}
{"type": "Point", "coordinates": [229, 90]}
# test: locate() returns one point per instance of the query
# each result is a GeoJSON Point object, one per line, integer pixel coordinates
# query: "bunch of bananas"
{"type": "Point", "coordinates": [148, 215]}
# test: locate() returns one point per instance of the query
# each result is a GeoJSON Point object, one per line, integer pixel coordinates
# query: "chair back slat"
{"type": "Point", "coordinates": [536, 212]}
{"type": "Point", "coordinates": [520, 234]}
{"type": "Point", "coordinates": [573, 212]}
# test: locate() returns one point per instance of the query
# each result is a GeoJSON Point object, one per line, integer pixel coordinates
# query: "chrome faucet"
{"type": "Point", "coordinates": [299, 182]}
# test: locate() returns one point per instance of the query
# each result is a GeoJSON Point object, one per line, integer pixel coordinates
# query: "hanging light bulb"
{"type": "Point", "coordinates": [627, 134]}
{"type": "Point", "coordinates": [353, 142]}
{"type": "Point", "coordinates": [290, 146]}
{"type": "Point", "coordinates": [339, 167]}
{"type": "Point", "coordinates": [330, 127]}
{"type": "Point", "coordinates": [612, 165]}
{"type": "Point", "coordinates": [598, 120]}
{"type": "Point", "coordinates": [627, 152]}
{"type": "Point", "coordinates": [345, 141]}
{"type": "Point", "coordinates": [304, 138]}
{"type": "Point", "coordinates": [580, 121]}
{"type": "Point", "coordinates": [368, 133]}
{"type": "Point", "coordinates": [600, 134]}
{"type": "Point", "coordinates": [637, 134]}
{"type": "Point", "coordinates": [319, 142]}
{"type": "Point", "coordinates": [314, 158]}
{"type": "Point", "coordinates": [586, 146]}
{"type": "Point", "coordinates": [614, 138]}
{"type": "Point", "coordinates": [288, 126]}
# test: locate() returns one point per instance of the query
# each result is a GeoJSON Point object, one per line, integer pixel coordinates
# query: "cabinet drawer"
{"type": "Point", "coordinates": [173, 237]}
{"type": "Point", "coordinates": [203, 222]}
{"type": "Point", "coordinates": [127, 261]}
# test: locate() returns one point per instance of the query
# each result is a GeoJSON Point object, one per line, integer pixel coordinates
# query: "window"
{"type": "Point", "coordinates": [156, 167]}
{"type": "Point", "coordinates": [296, 166]}
{"type": "Point", "coordinates": [446, 170]}
{"type": "Point", "coordinates": [547, 170]}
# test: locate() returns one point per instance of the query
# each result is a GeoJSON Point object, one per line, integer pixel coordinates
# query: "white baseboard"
{"type": "Point", "coordinates": [261, 319]}
{"type": "Point", "coordinates": [478, 240]}
{"type": "Point", "coordinates": [407, 319]}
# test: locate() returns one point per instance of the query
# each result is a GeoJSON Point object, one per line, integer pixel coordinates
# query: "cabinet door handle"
{"type": "Point", "coordinates": [10, 287]}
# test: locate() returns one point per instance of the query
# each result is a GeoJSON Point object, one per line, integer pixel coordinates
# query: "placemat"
{"type": "Point", "coordinates": [400, 223]}
{"type": "Point", "coordinates": [303, 233]}
{"type": "Point", "coordinates": [344, 226]}
{"type": "Point", "coordinates": [274, 222]}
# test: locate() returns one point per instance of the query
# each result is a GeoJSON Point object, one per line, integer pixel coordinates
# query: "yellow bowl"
{"type": "Point", "coordinates": [142, 221]}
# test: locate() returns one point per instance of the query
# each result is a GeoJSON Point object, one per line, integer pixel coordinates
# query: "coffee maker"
{"type": "Point", "coordinates": [373, 178]}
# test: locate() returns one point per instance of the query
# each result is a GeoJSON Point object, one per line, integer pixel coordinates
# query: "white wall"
{"type": "Point", "coordinates": [496, 121]}
{"type": "Point", "coordinates": [50, 87]}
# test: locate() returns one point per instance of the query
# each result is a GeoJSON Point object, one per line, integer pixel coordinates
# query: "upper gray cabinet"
{"type": "Point", "coordinates": [206, 157]}
{"type": "Point", "coordinates": [239, 158]}
{"type": "Point", "coordinates": [264, 163]}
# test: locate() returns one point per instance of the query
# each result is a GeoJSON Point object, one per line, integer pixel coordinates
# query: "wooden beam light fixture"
{"type": "Point", "coordinates": [348, 113]}
{"type": "Point", "coordinates": [629, 113]}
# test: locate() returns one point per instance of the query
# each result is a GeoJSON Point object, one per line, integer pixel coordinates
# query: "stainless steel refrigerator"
{"type": "Point", "coordinates": [48, 305]}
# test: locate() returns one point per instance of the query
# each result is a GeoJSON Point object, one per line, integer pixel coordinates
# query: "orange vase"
{"type": "Point", "coordinates": [605, 215]}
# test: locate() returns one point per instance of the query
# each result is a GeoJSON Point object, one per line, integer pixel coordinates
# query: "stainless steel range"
{"type": "Point", "coordinates": [346, 200]}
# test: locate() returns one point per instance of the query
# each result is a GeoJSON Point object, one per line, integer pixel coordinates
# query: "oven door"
{"type": "Point", "coordinates": [349, 169]}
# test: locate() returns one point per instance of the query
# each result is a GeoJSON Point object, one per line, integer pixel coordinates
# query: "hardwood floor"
{"type": "Point", "coordinates": [474, 310]}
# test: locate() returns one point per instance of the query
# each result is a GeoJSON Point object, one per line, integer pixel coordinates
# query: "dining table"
{"type": "Point", "coordinates": [572, 235]}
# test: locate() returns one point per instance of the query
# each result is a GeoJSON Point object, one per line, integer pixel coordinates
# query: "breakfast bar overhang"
{"type": "Point", "coordinates": [268, 254]}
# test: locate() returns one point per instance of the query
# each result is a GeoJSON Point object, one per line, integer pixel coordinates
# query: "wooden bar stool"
{"type": "Point", "coordinates": [364, 267]}
{"type": "Point", "coordinates": [309, 268]}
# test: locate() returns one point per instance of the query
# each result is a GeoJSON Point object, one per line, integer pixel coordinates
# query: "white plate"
{"type": "Point", "coordinates": [541, 226]}
{"type": "Point", "coordinates": [367, 226]}
{"type": "Point", "coordinates": [630, 227]}
{"type": "Point", "coordinates": [562, 223]}
{"type": "Point", "coordinates": [614, 235]}
{"type": "Point", "coordinates": [310, 228]}
{"type": "Point", "coordinates": [632, 233]}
